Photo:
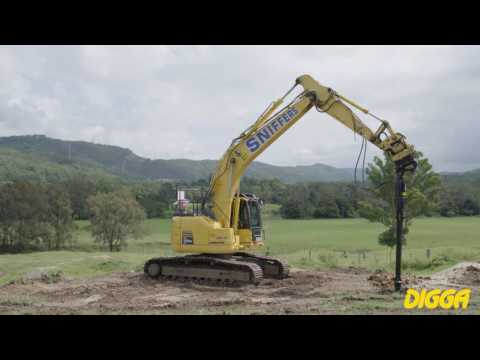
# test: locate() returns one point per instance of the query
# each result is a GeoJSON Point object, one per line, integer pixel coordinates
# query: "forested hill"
{"type": "Point", "coordinates": [465, 178]}
{"type": "Point", "coordinates": [37, 157]}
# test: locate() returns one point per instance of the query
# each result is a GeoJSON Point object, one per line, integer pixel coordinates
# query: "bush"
{"type": "Point", "coordinates": [328, 210]}
{"type": "Point", "coordinates": [114, 217]}
{"type": "Point", "coordinates": [292, 210]}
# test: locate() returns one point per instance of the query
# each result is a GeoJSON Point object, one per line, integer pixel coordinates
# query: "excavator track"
{"type": "Point", "coordinates": [204, 268]}
{"type": "Point", "coordinates": [271, 267]}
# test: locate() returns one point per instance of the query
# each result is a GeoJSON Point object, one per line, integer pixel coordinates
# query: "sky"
{"type": "Point", "coordinates": [190, 101]}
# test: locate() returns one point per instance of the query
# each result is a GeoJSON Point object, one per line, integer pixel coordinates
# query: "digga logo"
{"type": "Point", "coordinates": [446, 299]}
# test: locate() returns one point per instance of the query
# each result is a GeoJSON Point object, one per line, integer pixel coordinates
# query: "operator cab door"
{"type": "Point", "coordinates": [250, 218]}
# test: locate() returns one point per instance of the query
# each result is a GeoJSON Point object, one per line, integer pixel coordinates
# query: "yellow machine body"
{"type": "Point", "coordinates": [200, 234]}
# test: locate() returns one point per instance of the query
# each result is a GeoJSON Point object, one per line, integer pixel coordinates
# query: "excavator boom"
{"type": "Point", "coordinates": [268, 128]}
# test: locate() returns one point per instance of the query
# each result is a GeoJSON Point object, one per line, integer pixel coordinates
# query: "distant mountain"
{"type": "Point", "coordinates": [300, 173]}
{"type": "Point", "coordinates": [34, 155]}
{"type": "Point", "coordinates": [40, 158]}
{"type": "Point", "coordinates": [467, 177]}
{"type": "Point", "coordinates": [15, 165]}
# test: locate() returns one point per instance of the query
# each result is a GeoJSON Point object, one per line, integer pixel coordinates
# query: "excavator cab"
{"type": "Point", "coordinates": [249, 217]}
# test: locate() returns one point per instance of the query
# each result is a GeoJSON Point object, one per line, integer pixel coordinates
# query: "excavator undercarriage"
{"type": "Point", "coordinates": [238, 268]}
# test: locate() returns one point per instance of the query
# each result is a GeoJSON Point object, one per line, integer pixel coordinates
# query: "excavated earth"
{"type": "Point", "coordinates": [333, 291]}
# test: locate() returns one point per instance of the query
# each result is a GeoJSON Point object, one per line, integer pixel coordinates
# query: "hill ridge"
{"type": "Point", "coordinates": [123, 162]}
{"type": "Point", "coordinates": [120, 162]}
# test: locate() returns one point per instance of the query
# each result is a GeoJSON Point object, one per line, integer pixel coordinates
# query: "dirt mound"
{"type": "Point", "coordinates": [465, 274]}
{"type": "Point", "coordinates": [471, 275]}
{"type": "Point", "coordinates": [462, 274]}
{"type": "Point", "coordinates": [385, 281]}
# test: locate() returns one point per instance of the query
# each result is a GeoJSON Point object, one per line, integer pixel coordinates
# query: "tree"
{"type": "Point", "coordinates": [291, 209]}
{"type": "Point", "coordinates": [296, 203]}
{"type": "Point", "coordinates": [155, 197]}
{"type": "Point", "coordinates": [34, 217]}
{"type": "Point", "coordinates": [59, 216]}
{"type": "Point", "coordinates": [422, 195]}
{"type": "Point", "coordinates": [115, 216]}
{"type": "Point", "coordinates": [79, 190]}
{"type": "Point", "coordinates": [25, 216]}
{"type": "Point", "coordinates": [470, 207]}
{"type": "Point", "coordinates": [448, 206]}
{"type": "Point", "coordinates": [327, 209]}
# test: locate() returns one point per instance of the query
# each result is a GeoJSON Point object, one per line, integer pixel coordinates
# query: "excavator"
{"type": "Point", "coordinates": [220, 234]}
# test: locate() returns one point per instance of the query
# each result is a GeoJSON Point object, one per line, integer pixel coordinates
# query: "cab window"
{"type": "Point", "coordinates": [243, 218]}
{"type": "Point", "coordinates": [255, 220]}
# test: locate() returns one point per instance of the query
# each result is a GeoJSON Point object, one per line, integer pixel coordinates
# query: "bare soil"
{"type": "Point", "coordinates": [334, 291]}
{"type": "Point", "coordinates": [465, 274]}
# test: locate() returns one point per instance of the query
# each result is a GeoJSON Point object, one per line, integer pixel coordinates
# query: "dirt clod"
{"type": "Point", "coordinates": [385, 281]}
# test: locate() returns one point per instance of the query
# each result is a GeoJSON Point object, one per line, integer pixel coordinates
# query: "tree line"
{"type": "Point", "coordinates": [154, 197]}
{"type": "Point", "coordinates": [41, 217]}
{"type": "Point", "coordinates": [300, 200]}
{"type": "Point", "coordinates": [342, 200]}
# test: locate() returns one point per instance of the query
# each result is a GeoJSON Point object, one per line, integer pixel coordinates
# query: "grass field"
{"type": "Point", "coordinates": [304, 243]}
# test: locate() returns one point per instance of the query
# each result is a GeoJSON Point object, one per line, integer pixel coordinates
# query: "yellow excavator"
{"type": "Point", "coordinates": [220, 231]}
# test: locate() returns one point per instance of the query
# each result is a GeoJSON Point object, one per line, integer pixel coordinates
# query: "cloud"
{"type": "Point", "coordinates": [190, 101]}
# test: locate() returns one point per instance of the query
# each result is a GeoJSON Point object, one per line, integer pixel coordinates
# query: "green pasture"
{"type": "Point", "coordinates": [433, 244]}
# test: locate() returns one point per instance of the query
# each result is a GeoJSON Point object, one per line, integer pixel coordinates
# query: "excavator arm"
{"type": "Point", "coordinates": [393, 143]}
{"type": "Point", "coordinates": [274, 122]}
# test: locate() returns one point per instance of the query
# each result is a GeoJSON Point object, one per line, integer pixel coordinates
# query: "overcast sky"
{"type": "Point", "coordinates": [191, 101]}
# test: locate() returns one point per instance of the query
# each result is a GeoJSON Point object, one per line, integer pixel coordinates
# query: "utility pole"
{"type": "Point", "coordinates": [400, 194]}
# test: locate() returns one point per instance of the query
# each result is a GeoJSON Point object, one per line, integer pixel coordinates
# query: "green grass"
{"type": "Point", "coordinates": [87, 259]}
{"type": "Point", "coordinates": [353, 242]}
{"type": "Point", "coordinates": [304, 243]}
